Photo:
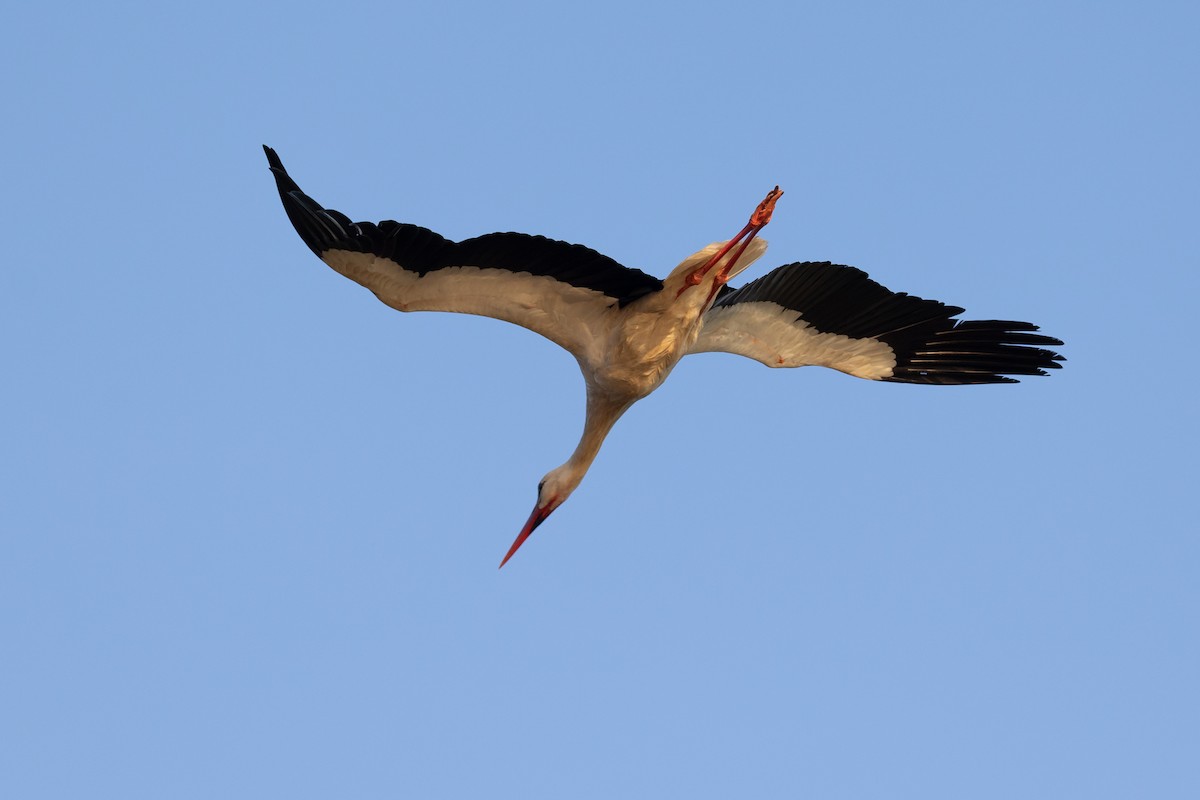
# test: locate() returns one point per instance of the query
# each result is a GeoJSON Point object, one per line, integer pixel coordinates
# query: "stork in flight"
{"type": "Point", "coordinates": [628, 329]}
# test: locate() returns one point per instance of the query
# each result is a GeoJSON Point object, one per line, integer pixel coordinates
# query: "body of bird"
{"type": "Point", "coordinates": [650, 337]}
{"type": "Point", "coordinates": [628, 330]}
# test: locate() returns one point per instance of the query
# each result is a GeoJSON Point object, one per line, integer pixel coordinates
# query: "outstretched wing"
{"type": "Point", "coordinates": [566, 292]}
{"type": "Point", "coordinates": [822, 314]}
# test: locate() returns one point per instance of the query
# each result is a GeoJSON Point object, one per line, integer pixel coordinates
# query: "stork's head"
{"type": "Point", "coordinates": [553, 490]}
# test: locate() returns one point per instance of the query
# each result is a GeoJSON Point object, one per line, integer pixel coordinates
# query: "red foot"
{"type": "Point", "coordinates": [762, 214]}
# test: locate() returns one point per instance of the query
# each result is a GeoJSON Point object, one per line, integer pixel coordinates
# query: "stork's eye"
{"type": "Point", "coordinates": [541, 485]}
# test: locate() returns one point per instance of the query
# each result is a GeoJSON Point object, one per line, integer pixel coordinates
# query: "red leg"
{"type": "Point", "coordinates": [758, 220]}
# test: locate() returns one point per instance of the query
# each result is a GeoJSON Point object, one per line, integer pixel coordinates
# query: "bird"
{"type": "Point", "coordinates": [628, 329]}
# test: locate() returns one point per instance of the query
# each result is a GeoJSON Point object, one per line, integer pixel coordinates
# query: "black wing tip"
{"type": "Point", "coordinates": [1009, 326]}
{"type": "Point", "coordinates": [964, 352]}
{"type": "Point", "coordinates": [275, 164]}
{"type": "Point", "coordinates": [316, 227]}
{"type": "Point", "coordinates": [283, 181]}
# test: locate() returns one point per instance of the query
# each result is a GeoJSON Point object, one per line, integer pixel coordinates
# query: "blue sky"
{"type": "Point", "coordinates": [251, 517]}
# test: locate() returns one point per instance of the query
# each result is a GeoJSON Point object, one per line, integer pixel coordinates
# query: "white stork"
{"type": "Point", "coordinates": [628, 329]}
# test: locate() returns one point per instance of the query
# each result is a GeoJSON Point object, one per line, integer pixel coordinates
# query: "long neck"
{"type": "Point", "coordinates": [602, 413]}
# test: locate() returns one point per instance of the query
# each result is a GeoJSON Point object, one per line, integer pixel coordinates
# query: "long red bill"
{"type": "Point", "coordinates": [536, 518]}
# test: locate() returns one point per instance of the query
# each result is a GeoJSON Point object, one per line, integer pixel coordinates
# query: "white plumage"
{"type": "Point", "coordinates": [628, 329]}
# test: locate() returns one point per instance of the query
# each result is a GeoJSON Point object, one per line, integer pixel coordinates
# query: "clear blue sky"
{"type": "Point", "coordinates": [251, 517]}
